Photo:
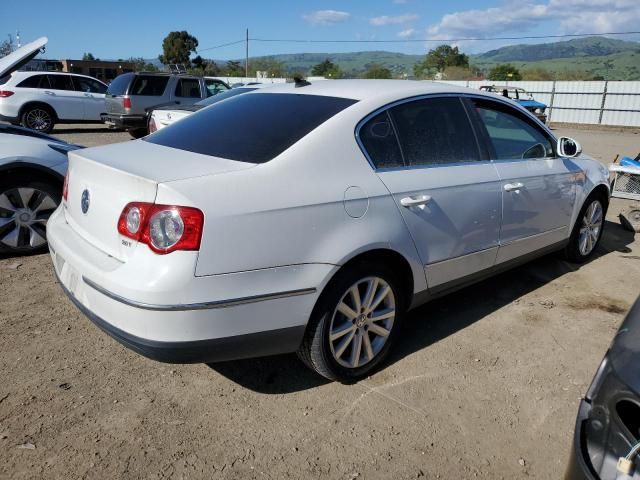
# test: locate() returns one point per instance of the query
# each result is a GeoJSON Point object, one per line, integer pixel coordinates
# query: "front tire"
{"type": "Point", "coordinates": [587, 231]}
{"type": "Point", "coordinates": [138, 132]}
{"type": "Point", "coordinates": [39, 118]}
{"type": "Point", "coordinates": [25, 206]}
{"type": "Point", "coordinates": [354, 323]}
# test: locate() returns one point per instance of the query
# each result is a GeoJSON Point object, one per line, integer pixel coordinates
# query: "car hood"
{"type": "Point", "coordinates": [531, 104]}
{"type": "Point", "coordinates": [624, 353]}
{"type": "Point", "coordinates": [21, 56]}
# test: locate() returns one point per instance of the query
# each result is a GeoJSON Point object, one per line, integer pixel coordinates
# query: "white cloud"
{"type": "Point", "coordinates": [326, 17]}
{"type": "Point", "coordinates": [408, 33]}
{"type": "Point", "coordinates": [393, 20]}
{"type": "Point", "coordinates": [574, 16]}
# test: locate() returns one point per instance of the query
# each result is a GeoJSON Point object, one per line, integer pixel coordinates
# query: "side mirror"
{"type": "Point", "coordinates": [568, 147]}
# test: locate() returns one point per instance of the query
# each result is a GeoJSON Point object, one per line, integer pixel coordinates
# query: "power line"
{"type": "Point", "coordinates": [220, 46]}
{"type": "Point", "coordinates": [413, 40]}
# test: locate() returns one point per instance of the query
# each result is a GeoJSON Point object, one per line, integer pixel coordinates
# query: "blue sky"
{"type": "Point", "coordinates": [118, 29]}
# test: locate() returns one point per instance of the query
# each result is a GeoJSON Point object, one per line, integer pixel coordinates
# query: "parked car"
{"type": "Point", "coordinates": [311, 217]}
{"type": "Point", "coordinates": [521, 96]}
{"type": "Point", "coordinates": [162, 116]}
{"type": "Point", "coordinates": [608, 422]}
{"type": "Point", "coordinates": [131, 96]}
{"type": "Point", "coordinates": [32, 168]}
{"type": "Point", "coordinates": [40, 100]}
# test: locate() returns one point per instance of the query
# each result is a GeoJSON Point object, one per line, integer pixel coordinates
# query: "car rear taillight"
{"type": "Point", "coordinates": [152, 125]}
{"type": "Point", "coordinates": [65, 186]}
{"type": "Point", "coordinates": [126, 102]}
{"type": "Point", "coordinates": [164, 228]}
{"type": "Point", "coordinates": [5, 93]}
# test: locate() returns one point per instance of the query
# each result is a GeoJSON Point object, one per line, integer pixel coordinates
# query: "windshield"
{"type": "Point", "coordinates": [250, 128]}
{"type": "Point", "coordinates": [223, 96]}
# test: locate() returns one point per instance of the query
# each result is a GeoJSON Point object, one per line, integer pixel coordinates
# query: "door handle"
{"type": "Point", "coordinates": [47, 92]}
{"type": "Point", "coordinates": [511, 187]}
{"type": "Point", "coordinates": [415, 201]}
{"type": "Point", "coordinates": [87, 95]}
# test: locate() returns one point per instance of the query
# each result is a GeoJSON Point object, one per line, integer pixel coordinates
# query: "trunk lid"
{"type": "Point", "coordinates": [103, 180]}
{"type": "Point", "coordinates": [21, 56]}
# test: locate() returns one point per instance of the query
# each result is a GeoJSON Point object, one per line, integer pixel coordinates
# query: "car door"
{"type": "Point", "coordinates": [93, 93]}
{"type": "Point", "coordinates": [538, 187]}
{"type": "Point", "coordinates": [426, 153]}
{"type": "Point", "coordinates": [63, 97]}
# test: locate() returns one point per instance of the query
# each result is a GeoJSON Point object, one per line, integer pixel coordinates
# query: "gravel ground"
{"type": "Point", "coordinates": [486, 383]}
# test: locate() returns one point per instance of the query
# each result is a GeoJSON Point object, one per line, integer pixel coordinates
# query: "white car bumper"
{"type": "Point", "coordinates": [204, 319]}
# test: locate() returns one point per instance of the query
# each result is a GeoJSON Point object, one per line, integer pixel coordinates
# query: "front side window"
{"type": "Point", "coordinates": [214, 87]}
{"type": "Point", "coordinates": [61, 82]}
{"type": "Point", "coordinates": [149, 85]}
{"type": "Point", "coordinates": [435, 131]}
{"type": "Point", "coordinates": [35, 81]}
{"type": "Point", "coordinates": [88, 85]}
{"type": "Point", "coordinates": [512, 135]}
{"type": "Point", "coordinates": [379, 140]}
{"type": "Point", "coordinates": [253, 128]}
{"type": "Point", "coordinates": [188, 88]}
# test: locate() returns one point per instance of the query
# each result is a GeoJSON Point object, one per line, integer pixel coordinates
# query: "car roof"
{"type": "Point", "coordinates": [372, 89]}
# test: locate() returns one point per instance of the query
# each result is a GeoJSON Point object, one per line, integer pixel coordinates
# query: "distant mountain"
{"type": "Point", "coordinates": [578, 47]}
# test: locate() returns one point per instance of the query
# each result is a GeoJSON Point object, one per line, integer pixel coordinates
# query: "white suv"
{"type": "Point", "coordinates": [39, 100]}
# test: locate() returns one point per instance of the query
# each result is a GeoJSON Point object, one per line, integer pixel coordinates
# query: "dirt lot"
{"type": "Point", "coordinates": [486, 383]}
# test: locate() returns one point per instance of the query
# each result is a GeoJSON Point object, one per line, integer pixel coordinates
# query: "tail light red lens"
{"type": "Point", "coordinates": [164, 228]}
{"type": "Point", "coordinates": [152, 125]}
{"type": "Point", "coordinates": [126, 102]}
{"type": "Point", "coordinates": [5, 93]}
{"type": "Point", "coordinates": [65, 186]}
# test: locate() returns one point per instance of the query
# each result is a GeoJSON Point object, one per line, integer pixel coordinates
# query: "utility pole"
{"type": "Point", "coordinates": [246, 58]}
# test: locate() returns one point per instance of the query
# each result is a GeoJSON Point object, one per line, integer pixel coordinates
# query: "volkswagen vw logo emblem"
{"type": "Point", "coordinates": [85, 201]}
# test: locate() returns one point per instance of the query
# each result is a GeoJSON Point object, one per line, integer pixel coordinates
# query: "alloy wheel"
{"type": "Point", "coordinates": [24, 212]}
{"type": "Point", "coordinates": [38, 119]}
{"type": "Point", "coordinates": [362, 322]}
{"type": "Point", "coordinates": [590, 228]}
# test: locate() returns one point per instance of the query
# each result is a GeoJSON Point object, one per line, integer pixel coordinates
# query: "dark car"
{"type": "Point", "coordinates": [608, 423]}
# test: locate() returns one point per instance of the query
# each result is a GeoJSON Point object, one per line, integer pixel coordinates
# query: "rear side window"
{"type": "Point", "coordinates": [512, 135]}
{"type": "Point", "coordinates": [119, 85]}
{"type": "Point", "coordinates": [379, 140]}
{"type": "Point", "coordinates": [435, 131]}
{"type": "Point", "coordinates": [188, 87]}
{"type": "Point", "coordinates": [89, 85]}
{"type": "Point", "coordinates": [61, 82]}
{"type": "Point", "coordinates": [35, 81]}
{"type": "Point", "coordinates": [251, 128]}
{"type": "Point", "coordinates": [149, 85]}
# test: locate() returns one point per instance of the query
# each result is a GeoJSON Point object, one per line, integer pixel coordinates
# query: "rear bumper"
{"type": "Point", "coordinates": [188, 319]}
{"type": "Point", "coordinates": [124, 120]}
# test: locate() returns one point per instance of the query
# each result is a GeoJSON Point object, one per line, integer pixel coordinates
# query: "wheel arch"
{"type": "Point", "coordinates": [35, 171]}
{"type": "Point", "coordinates": [36, 103]}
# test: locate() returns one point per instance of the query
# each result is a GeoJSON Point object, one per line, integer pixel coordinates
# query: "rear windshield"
{"type": "Point", "coordinates": [119, 85]}
{"type": "Point", "coordinates": [223, 96]}
{"type": "Point", "coordinates": [251, 128]}
{"type": "Point", "coordinates": [149, 85]}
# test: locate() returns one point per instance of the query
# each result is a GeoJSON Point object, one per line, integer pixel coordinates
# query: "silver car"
{"type": "Point", "coordinates": [311, 217]}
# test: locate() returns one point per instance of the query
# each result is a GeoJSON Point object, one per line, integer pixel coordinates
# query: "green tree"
{"type": "Point", "coordinates": [326, 68]}
{"type": "Point", "coordinates": [462, 73]}
{"type": "Point", "coordinates": [141, 65]}
{"type": "Point", "coordinates": [234, 69]}
{"type": "Point", "coordinates": [377, 71]}
{"type": "Point", "coordinates": [272, 67]}
{"type": "Point", "coordinates": [504, 71]}
{"type": "Point", "coordinates": [177, 48]}
{"type": "Point", "coordinates": [440, 58]}
{"type": "Point", "coordinates": [88, 56]}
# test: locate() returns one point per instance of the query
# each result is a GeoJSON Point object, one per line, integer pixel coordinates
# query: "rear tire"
{"type": "Point", "coordinates": [587, 230]}
{"type": "Point", "coordinates": [40, 118]}
{"type": "Point", "coordinates": [138, 132]}
{"type": "Point", "coordinates": [343, 342]}
{"type": "Point", "coordinates": [25, 206]}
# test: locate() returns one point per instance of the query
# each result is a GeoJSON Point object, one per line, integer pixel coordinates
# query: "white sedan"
{"type": "Point", "coordinates": [164, 116]}
{"type": "Point", "coordinates": [309, 218]}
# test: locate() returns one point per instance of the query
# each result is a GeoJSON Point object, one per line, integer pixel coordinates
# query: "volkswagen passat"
{"type": "Point", "coordinates": [311, 219]}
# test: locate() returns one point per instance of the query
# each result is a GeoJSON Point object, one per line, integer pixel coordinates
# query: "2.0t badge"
{"type": "Point", "coordinates": [85, 201]}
